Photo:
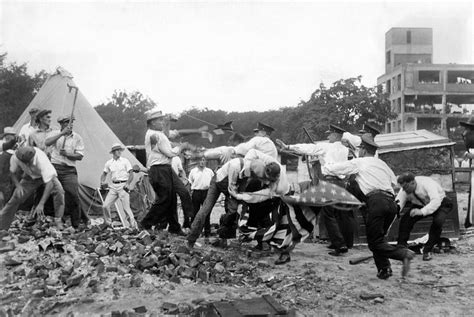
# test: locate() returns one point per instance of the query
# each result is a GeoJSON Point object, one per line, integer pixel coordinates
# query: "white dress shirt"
{"type": "Point", "coordinates": [73, 144]}
{"type": "Point", "coordinates": [430, 195]}
{"type": "Point", "coordinates": [371, 173]}
{"type": "Point", "coordinates": [39, 167]}
{"type": "Point", "coordinates": [159, 153]}
{"type": "Point", "coordinates": [260, 143]}
{"type": "Point", "coordinates": [25, 132]}
{"type": "Point", "coordinates": [200, 178]}
{"type": "Point", "coordinates": [119, 169]}
{"type": "Point", "coordinates": [327, 153]}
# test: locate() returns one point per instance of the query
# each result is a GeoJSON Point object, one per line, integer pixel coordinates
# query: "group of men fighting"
{"type": "Point", "coordinates": [250, 177]}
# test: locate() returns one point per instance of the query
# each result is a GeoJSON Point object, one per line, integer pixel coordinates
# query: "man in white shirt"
{"type": "Point", "coordinates": [28, 128]}
{"type": "Point", "coordinates": [8, 143]}
{"type": "Point", "coordinates": [37, 170]}
{"type": "Point", "coordinates": [121, 176]}
{"type": "Point", "coordinates": [231, 180]}
{"type": "Point", "coordinates": [67, 147]}
{"type": "Point", "coordinates": [376, 180]}
{"type": "Point", "coordinates": [261, 142]}
{"type": "Point", "coordinates": [421, 197]}
{"type": "Point", "coordinates": [162, 177]}
{"type": "Point", "coordinates": [43, 131]}
{"type": "Point", "coordinates": [339, 223]}
{"type": "Point", "coordinates": [200, 179]}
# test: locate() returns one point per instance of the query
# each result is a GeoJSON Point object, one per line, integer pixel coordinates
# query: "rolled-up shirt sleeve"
{"type": "Point", "coordinates": [435, 201]}
{"type": "Point", "coordinates": [342, 168]}
{"type": "Point", "coordinates": [79, 148]}
{"type": "Point", "coordinates": [165, 147]}
{"type": "Point", "coordinates": [307, 149]}
{"type": "Point", "coordinates": [233, 176]}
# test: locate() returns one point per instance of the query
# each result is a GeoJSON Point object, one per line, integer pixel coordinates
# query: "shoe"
{"type": "Point", "coordinates": [283, 258]}
{"type": "Point", "coordinates": [339, 252]}
{"type": "Point", "coordinates": [406, 262]}
{"type": "Point", "coordinates": [58, 223]}
{"type": "Point", "coordinates": [220, 243]}
{"type": "Point", "coordinates": [384, 273]}
{"type": "Point", "coordinates": [178, 233]}
{"type": "Point", "coordinates": [427, 256]}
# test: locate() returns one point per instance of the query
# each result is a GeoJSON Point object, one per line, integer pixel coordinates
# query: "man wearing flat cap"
{"type": "Point", "coordinates": [37, 170]}
{"type": "Point", "coordinates": [162, 177]}
{"type": "Point", "coordinates": [376, 181]}
{"type": "Point", "coordinates": [67, 148]}
{"type": "Point", "coordinates": [468, 137]}
{"type": "Point", "coordinates": [8, 144]}
{"type": "Point", "coordinates": [29, 127]}
{"type": "Point", "coordinates": [261, 142]}
{"type": "Point", "coordinates": [339, 223]}
{"type": "Point", "coordinates": [121, 177]}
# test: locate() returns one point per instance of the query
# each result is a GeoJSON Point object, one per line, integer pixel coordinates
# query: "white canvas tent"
{"type": "Point", "coordinates": [98, 137]}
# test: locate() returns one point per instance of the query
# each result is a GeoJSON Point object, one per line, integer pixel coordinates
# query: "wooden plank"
{"type": "Point", "coordinates": [226, 309]}
{"type": "Point", "coordinates": [280, 310]}
{"type": "Point", "coordinates": [254, 307]}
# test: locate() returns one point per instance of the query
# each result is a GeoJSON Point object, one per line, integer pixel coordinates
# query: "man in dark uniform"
{"type": "Point", "coordinates": [375, 180]}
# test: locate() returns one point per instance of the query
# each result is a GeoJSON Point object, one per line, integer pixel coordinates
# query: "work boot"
{"type": "Point", "coordinates": [427, 256]}
{"type": "Point", "coordinates": [339, 252]}
{"type": "Point", "coordinates": [406, 262]}
{"type": "Point", "coordinates": [384, 273]}
{"type": "Point", "coordinates": [283, 258]}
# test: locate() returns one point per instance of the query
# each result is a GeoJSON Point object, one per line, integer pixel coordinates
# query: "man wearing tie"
{"type": "Point", "coordinates": [421, 197]}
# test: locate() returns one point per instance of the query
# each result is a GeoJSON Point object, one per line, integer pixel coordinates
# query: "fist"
{"type": "Point", "coordinates": [416, 212]}
{"type": "Point", "coordinates": [280, 143]}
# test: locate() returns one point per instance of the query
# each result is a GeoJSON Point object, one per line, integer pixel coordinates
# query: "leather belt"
{"type": "Point", "coordinates": [381, 192]}
{"type": "Point", "coordinates": [118, 182]}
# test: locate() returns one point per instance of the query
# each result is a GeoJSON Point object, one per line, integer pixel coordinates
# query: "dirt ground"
{"type": "Point", "coordinates": [313, 283]}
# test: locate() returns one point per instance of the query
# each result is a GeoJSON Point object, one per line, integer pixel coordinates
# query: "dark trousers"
{"type": "Point", "coordinates": [67, 176]}
{"type": "Point", "coordinates": [198, 197]}
{"type": "Point", "coordinates": [231, 204]}
{"type": "Point", "coordinates": [339, 223]}
{"type": "Point", "coordinates": [382, 209]}
{"type": "Point", "coordinates": [186, 203]}
{"type": "Point", "coordinates": [161, 179]}
{"type": "Point", "coordinates": [439, 216]}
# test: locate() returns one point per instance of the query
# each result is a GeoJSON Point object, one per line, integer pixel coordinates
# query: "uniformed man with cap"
{"type": "Point", "coordinates": [376, 181]}
{"type": "Point", "coordinates": [8, 144]}
{"type": "Point", "coordinates": [29, 127]}
{"type": "Point", "coordinates": [162, 177]}
{"type": "Point", "coordinates": [67, 148]}
{"type": "Point", "coordinates": [37, 170]}
{"type": "Point", "coordinates": [261, 142]}
{"type": "Point", "coordinates": [121, 177]}
{"type": "Point", "coordinates": [339, 223]}
{"type": "Point", "coordinates": [468, 137]}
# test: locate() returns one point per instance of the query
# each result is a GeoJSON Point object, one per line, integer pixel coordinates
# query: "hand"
{"type": "Point", "coordinates": [39, 211]}
{"type": "Point", "coordinates": [67, 130]}
{"type": "Point", "coordinates": [227, 155]}
{"type": "Point", "coordinates": [416, 212]}
{"type": "Point", "coordinates": [243, 196]}
{"type": "Point", "coordinates": [126, 188]}
{"type": "Point", "coordinates": [136, 168]}
{"type": "Point", "coordinates": [20, 190]}
{"type": "Point", "coordinates": [281, 144]}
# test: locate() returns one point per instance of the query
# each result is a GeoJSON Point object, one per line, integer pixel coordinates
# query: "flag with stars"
{"type": "Point", "coordinates": [324, 194]}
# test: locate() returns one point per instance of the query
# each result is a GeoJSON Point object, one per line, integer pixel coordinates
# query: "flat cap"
{"type": "Point", "coordinates": [263, 127]}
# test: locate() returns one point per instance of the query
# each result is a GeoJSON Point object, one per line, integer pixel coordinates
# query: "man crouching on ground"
{"type": "Point", "coordinates": [37, 170]}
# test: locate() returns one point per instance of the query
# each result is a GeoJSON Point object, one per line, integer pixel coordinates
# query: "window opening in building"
{"type": "Point", "coordinates": [409, 37]}
{"type": "Point", "coordinates": [461, 77]}
{"type": "Point", "coordinates": [428, 76]}
{"type": "Point", "coordinates": [399, 82]}
{"type": "Point", "coordinates": [387, 57]}
{"type": "Point", "coordinates": [424, 104]}
{"type": "Point", "coordinates": [459, 104]}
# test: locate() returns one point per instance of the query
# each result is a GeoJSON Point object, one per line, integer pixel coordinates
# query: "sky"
{"type": "Point", "coordinates": [228, 55]}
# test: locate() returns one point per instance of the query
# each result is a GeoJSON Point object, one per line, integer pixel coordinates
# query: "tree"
{"type": "Point", "coordinates": [125, 115]}
{"type": "Point", "coordinates": [346, 103]}
{"type": "Point", "coordinates": [17, 89]}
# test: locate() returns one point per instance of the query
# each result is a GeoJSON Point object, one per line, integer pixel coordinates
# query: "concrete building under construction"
{"type": "Point", "coordinates": [424, 95]}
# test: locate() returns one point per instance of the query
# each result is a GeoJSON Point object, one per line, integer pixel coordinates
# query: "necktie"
{"type": "Point", "coordinates": [418, 198]}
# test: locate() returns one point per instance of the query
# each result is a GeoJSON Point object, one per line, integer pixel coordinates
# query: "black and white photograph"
{"type": "Point", "coordinates": [229, 158]}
